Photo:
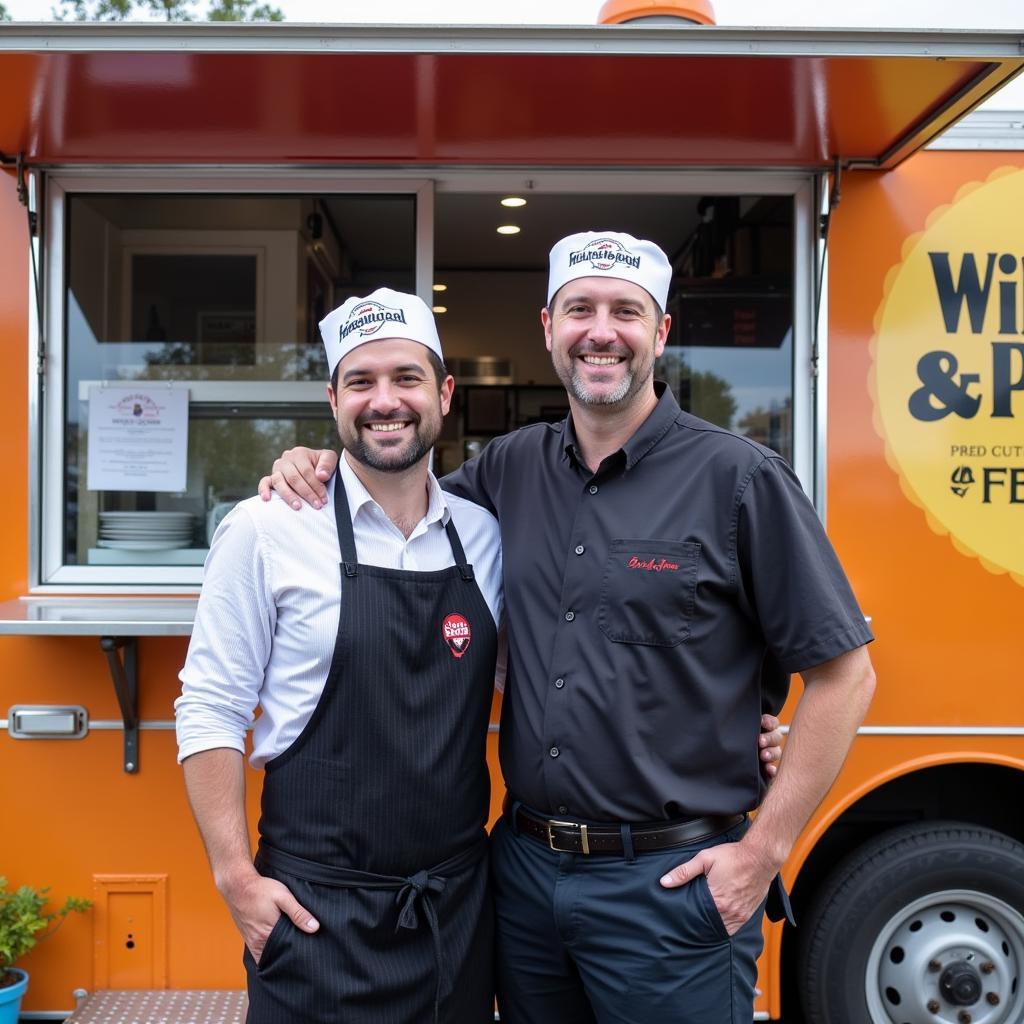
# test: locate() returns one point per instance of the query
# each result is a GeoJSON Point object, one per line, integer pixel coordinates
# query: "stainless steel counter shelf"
{"type": "Point", "coordinates": [118, 622]}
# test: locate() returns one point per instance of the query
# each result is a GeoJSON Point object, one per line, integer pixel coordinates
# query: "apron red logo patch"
{"type": "Point", "coordinates": [457, 634]}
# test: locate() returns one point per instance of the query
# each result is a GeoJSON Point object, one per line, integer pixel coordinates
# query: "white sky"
{"type": "Point", "coordinates": [823, 13]}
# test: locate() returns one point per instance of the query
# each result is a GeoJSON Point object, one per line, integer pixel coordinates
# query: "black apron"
{"type": "Point", "coordinates": [374, 817]}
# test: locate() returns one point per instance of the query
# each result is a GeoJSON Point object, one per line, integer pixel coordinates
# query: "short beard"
{"type": "Point", "coordinates": [424, 438]}
{"type": "Point", "coordinates": [375, 459]}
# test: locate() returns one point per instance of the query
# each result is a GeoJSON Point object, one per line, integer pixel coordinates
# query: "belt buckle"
{"type": "Point", "coordinates": [551, 825]}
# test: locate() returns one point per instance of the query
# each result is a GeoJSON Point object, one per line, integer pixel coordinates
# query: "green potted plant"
{"type": "Point", "coordinates": [23, 922]}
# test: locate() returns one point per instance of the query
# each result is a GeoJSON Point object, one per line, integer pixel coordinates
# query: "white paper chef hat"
{"type": "Point", "coordinates": [384, 313]}
{"type": "Point", "coordinates": [610, 254]}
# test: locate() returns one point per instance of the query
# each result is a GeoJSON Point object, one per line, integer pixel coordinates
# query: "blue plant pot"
{"type": "Point", "coordinates": [10, 997]}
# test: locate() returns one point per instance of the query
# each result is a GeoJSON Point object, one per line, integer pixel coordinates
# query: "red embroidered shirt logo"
{"type": "Point", "coordinates": [457, 634]}
{"type": "Point", "coordinates": [652, 564]}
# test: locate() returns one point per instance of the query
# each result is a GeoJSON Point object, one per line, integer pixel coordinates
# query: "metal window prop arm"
{"type": "Point", "coordinates": [124, 674]}
{"type": "Point", "coordinates": [29, 198]}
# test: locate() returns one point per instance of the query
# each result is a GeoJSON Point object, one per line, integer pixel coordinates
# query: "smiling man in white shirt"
{"type": "Point", "coordinates": [368, 639]}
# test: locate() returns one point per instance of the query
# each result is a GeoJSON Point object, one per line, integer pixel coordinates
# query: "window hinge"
{"type": "Point", "coordinates": [835, 194]}
{"type": "Point", "coordinates": [33, 221]}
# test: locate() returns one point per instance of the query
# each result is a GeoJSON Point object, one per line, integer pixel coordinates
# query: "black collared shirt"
{"type": "Point", "coordinates": [655, 608]}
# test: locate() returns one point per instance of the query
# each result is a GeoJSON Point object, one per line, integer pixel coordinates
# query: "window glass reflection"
{"type": "Point", "coordinates": [222, 295]}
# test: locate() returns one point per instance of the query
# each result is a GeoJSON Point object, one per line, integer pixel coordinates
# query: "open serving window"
{"type": "Point", "coordinates": [184, 326]}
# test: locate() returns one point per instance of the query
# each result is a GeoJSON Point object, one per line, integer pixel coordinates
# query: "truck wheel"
{"type": "Point", "coordinates": [922, 925]}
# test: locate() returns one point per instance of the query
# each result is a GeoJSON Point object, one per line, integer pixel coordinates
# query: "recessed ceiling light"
{"type": "Point", "coordinates": [513, 201]}
{"type": "Point", "coordinates": [440, 287]}
{"type": "Point", "coordinates": [509, 229]}
{"type": "Point", "coordinates": [439, 309]}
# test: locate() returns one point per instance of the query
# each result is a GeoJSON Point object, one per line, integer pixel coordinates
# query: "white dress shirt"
{"type": "Point", "coordinates": [268, 612]}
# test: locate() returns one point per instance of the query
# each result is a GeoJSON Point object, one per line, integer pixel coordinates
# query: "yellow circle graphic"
{"type": "Point", "coordinates": [948, 371]}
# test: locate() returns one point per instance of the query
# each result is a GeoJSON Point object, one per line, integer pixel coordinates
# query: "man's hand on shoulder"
{"type": "Point", "coordinates": [299, 476]}
{"type": "Point", "coordinates": [256, 903]}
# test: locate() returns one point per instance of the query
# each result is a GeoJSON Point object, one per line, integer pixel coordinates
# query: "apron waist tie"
{"type": "Point", "coordinates": [419, 887]}
{"type": "Point", "coordinates": [412, 890]}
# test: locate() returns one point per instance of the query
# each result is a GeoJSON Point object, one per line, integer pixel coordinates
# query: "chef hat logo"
{"type": "Point", "coordinates": [612, 254]}
{"type": "Point", "coordinates": [368, 318]}
{"type": "Point", "coordinates": [382, 315]}
{"type": "Point", "coordinates": [604, 254]}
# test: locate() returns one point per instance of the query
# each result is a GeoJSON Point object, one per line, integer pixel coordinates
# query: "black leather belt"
{"type": "Point", "coordinates": [579, 837]}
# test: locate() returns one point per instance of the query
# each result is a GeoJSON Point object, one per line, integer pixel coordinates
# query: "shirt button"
{"type": "Point", "coordinates": [559, 683]}
{"type": "Point", "coordinates": [592, 488]}
{"type": "Point", "coordinates": [580, 549]}
{"type": "Point", "coordinates": [569, 616]}
{"type": "Point", "coordinates": [553, 751]}
{"type": "Point", "coordinates": [562, 809]}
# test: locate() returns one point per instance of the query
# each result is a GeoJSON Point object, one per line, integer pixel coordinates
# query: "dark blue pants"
{"type": "Point", "coordinates": [597, 940]}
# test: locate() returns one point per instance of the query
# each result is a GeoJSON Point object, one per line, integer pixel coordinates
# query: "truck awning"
{"type": "Point", "coordinates": [601, 96]}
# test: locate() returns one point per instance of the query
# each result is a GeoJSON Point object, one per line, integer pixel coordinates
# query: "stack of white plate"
{"type": "Point", "coordinates": [145, 531]}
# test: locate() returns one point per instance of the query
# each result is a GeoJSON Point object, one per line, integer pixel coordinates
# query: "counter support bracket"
{"type": "Point", "coordinates": [124, 673]}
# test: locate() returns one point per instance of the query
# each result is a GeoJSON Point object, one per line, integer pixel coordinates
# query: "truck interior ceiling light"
{"type": "Point", "coordinates": [439, 309]}
{"type": "Point", "coordinates": [509, 229]}
{"type": "Point", "coordinates": [440, 287]}
{"type": "Point", "coordinates": [513, 201]}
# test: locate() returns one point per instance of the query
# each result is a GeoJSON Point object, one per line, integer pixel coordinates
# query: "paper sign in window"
{"type": "Point", "coordinates": [138, 439]}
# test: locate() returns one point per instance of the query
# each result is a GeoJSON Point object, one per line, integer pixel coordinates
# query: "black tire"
{"type": "Point", "coordinates": [942, 893]}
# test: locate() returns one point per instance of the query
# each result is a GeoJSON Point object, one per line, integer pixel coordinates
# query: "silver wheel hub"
{"type": "Point", "coordinates": [951, 957]}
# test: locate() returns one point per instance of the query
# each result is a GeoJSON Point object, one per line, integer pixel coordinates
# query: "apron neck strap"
{"type": "Point", "coordinates": [465, 569]}
{"type": "Point", "coordinates": [343, 519]}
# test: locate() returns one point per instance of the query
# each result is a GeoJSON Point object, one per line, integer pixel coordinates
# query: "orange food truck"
{"type": "Point", "coordinates": [180, 204]}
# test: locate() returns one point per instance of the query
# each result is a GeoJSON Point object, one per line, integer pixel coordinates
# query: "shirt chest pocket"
{"type": "Point", "coordinates": [648, 591]}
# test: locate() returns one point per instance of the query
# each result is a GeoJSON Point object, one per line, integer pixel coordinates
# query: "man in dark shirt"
{"type": "Point", "coordinates": [663, 578]}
